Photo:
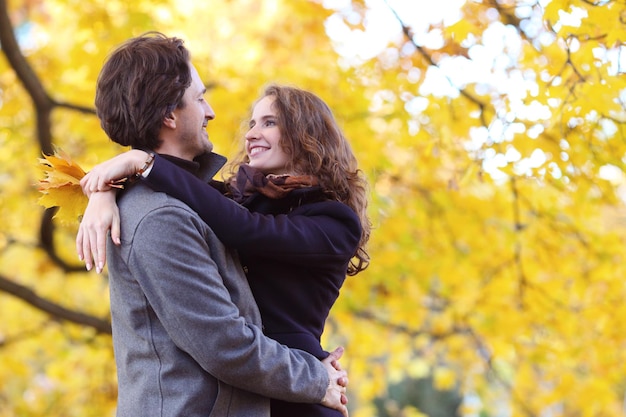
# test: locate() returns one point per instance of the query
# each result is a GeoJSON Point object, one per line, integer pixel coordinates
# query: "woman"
{"type": "Point", "coordinates": [300, 225]}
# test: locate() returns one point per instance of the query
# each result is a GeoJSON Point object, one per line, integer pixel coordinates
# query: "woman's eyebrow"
{"type": "Point", "coordinates": [262, 118]}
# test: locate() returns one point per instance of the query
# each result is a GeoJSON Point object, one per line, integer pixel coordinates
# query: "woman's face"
{"type": "Point", "coordinates": [263, 140]}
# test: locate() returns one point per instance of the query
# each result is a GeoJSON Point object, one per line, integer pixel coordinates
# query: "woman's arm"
{"type": "Point", "coordinates": [100, 215]}
{"type": "Point", "coordinates": [113, 172]}
{"type": "Point", "coordinates": [320, 230]}
{"type": "Point", "coordinates": [315, 231]}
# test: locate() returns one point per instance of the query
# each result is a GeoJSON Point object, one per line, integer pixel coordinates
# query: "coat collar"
{"type": "Point", "coordinates": [204, 166]}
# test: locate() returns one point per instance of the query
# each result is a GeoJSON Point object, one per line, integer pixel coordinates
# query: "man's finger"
{"type": "Point", "coordinates": [336, 354]}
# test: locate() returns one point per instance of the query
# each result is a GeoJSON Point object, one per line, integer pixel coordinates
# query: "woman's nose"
{"type": "Point", "coordinates": [251, 134]}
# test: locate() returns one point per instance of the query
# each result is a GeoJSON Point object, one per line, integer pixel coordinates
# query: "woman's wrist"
{"type": "Point", "coordinates": [108, 196]}
{"type": "Point", "coordinates": [146, 165]}
{"type": "Point", "coordinates": [143, 163]}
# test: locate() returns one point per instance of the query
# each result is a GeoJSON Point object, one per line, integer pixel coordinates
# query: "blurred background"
{"type": "Point", "coordinates": [493, 136]}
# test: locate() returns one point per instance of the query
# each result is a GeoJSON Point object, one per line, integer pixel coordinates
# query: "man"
{"type": "Point", "coordinates": [186, 329]}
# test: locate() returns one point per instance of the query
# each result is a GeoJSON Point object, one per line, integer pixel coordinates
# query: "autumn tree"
{"type": "Point", "coordinates": [493, 136]}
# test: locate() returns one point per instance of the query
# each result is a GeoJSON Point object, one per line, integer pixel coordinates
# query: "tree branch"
{"type": "Point", "coordinates": [43, 106]}
{"type": "Point", "coordinates": [55, 310]}
{"type": "Point", "coordinates": [485, 353]}
{"type": "Point", "coordinates": [46, 242]}
{"type": "Point", "coordinates": [75, 107]}
{"type": "Point", "coordinates": [42, 102]}
{"type": "Point", "coordinates": [426, 55]}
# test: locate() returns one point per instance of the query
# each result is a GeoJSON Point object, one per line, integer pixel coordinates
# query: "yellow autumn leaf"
{"type": "Point", "coordinates": [61, 186]}
{"type": "Point", "coordinates": [444, 378]}
{"type": "Point", "coordinates": [460, 30]}
{"type": "Point", "coordinates": [551, 12]}
{"type": "Point", "coordinates": [418, 368]}
{"type": "Point", "coordinates": [410, 411]}
{"type": "Point", "coordinates": [61, 163]}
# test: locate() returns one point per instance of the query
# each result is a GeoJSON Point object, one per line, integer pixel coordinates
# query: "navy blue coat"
{"type": "Point", "coordinates": [295, 252]}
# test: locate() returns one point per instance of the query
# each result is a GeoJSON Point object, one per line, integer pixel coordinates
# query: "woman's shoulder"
{"type": "Point", "coordinates": [328, 207]}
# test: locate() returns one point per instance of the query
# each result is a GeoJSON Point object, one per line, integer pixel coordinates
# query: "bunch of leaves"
{"type": "Point", "coordinates": [61, 186]}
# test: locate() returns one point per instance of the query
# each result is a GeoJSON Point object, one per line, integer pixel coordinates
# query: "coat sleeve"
{"type": "Point", "coordinates": [313, 232]}
{"type": "Point", "coordinates": [190, 298]}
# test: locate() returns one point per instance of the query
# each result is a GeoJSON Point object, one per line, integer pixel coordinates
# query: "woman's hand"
{"type": "Point", "coordinates": [103, 175]}
{"type": "Point", "coordinates": [100, 215]}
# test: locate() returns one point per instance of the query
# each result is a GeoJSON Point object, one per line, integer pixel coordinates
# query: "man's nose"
{"type": "Point", "coordinates": [210, 114]}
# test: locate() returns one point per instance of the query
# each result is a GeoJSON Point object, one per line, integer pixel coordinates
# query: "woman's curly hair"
{"type": "Point", "coordinates": [311, 136]}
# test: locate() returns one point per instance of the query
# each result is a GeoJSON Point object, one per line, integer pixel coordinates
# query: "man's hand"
{"type": "Point", "coordinates": [338, 381]}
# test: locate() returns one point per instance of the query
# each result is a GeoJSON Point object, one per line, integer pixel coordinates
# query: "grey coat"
{"type": "Point", "coordinates": [186, 329]}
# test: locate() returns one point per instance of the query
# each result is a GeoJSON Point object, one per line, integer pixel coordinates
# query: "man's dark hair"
{"type": "Point", "coordinates": [141, 83]}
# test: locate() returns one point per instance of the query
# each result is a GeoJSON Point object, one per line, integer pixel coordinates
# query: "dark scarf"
{"type": "Point", "coordinates": [250, 180]}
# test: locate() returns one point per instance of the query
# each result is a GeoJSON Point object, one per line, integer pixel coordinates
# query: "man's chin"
{"type": "Point", "coordinates": [206, 147]}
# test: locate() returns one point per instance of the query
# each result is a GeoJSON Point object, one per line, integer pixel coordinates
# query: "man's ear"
{"type": "Point", "coordinates": [170, 120]}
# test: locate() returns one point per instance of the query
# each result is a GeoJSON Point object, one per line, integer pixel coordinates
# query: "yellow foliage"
{"type": "Point", "coordinates": [418, 368]}
{"type": "Point", "coordinates": [61, 186]}
{"type": "Point", "coordinates": [444, 378]}
{"type": "Point", "coordinates": [410, 411]}
{"type": "Point", "coordinates": [497, 252]}
{"type": "Point", "coordinates": [460, 30]}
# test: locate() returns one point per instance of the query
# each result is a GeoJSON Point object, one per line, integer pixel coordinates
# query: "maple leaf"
{"type": "Point", "coordinates": [61, 186]}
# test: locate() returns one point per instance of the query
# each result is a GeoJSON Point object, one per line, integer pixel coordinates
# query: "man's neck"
{"type": "Point", "coordinates": [204, 166]}
{"type": "Point", "coordinates": [176, 151]}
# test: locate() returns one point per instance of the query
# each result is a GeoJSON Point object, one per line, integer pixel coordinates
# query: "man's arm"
{"type": "Point", "coordinates": [180, 275]}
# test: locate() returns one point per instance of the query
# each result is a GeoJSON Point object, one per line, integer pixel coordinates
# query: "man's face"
{"type": "Point", "coordinates": [192, 119]}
